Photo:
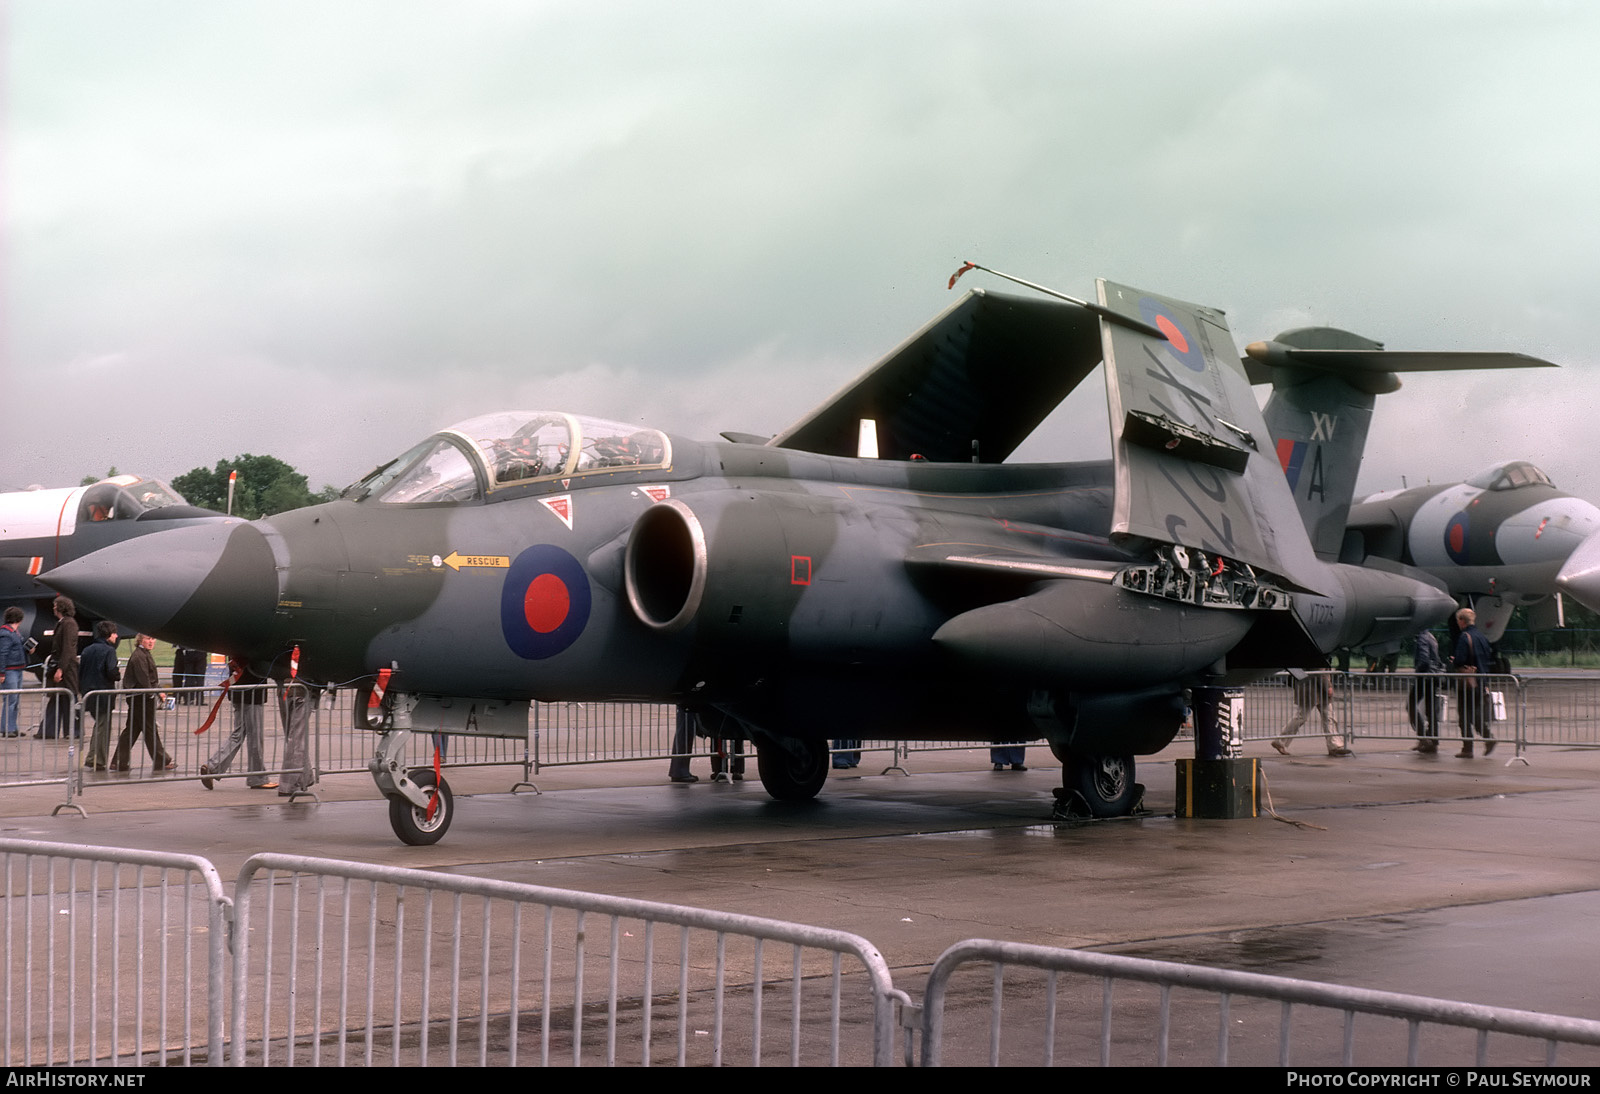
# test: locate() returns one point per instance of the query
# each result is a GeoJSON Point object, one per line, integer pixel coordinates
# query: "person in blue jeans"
{"type": "Point", "coordinates": [13, 659]}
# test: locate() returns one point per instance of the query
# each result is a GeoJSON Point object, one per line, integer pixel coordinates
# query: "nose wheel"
{"type": "Point", "coordinates": [419, 825]}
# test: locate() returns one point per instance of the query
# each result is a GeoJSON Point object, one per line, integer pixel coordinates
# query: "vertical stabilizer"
{"type": "Point", "coordinates": [1324, 383]}
{"type": "Point", "coordinates": [1319, 422]}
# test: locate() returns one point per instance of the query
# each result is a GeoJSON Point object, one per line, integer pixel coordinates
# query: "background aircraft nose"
{"type": "Point", "coordinates": [1580, 576]}
{"type": "Point", "coordinates": [210, 587]}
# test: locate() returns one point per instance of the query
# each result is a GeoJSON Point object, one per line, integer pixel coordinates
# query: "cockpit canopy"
{"type": "Point", "coordinates": [124, 498]}
{"type": "Point", "coordinates": [1509, 476]}
{"type": "Point", "coordinates": [490, 453]}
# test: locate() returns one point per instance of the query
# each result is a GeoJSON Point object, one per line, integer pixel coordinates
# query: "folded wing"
{"type": "Point", "coordinates": [1194, 465]}
{"type": "Point", "coordinates": [968, 387]}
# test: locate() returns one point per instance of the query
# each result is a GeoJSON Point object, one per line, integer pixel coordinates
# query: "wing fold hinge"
{"type": "Point", "coordinates": [1206, 581]}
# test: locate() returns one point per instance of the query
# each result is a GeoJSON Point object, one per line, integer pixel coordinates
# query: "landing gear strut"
{"type": "Point", "coordinates": [421, 805]}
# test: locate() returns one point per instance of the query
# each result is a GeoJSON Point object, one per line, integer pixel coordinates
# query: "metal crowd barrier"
{"type": "Point", "coordinates": [1531, 710]}
{"type": "Point", "coordinates": [32, 758]}
{"type": "Point", "coordinates": [116, 957]}
{"type": "Point", "coordinates": [1561, 709]}
{"type": "Point", "coordinates": [1379, 706]}
{"type": "Point", "coordinates": [1084, 1008]}
{"type": "Point", "coordinates": [112, 957]}
{"type": "Point", "coordinates": [342, 962]}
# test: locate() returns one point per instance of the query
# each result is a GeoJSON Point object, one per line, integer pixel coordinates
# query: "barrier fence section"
{"type": "Point", "coordinates": [339, 962]}
{"type": "Point", "coordinates": [39, 754]}
{"type": "Point", "coordinates": [1075, 1007]}
{"type": "Point", "coordinates": [112, 957]}
{"type": "Point", "coordinates": [1394, 706]}
{"type": "Point", "coordinates": [1560, 709]}
{"type": "Point", "coordinates": [116, 957]}
{"type": "Point", "coordinates": [586, 733]}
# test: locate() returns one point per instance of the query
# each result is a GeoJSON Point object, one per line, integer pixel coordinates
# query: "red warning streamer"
{"type": "Point", "coordinates": [433, 802]}
{"type": "Point", "coordinates": [375, 696]}
{"type": "Point", "coordinates": [238, 670]}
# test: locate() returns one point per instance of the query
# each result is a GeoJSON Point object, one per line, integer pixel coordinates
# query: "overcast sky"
{"type": "Point", "coordinates": [322, 230]}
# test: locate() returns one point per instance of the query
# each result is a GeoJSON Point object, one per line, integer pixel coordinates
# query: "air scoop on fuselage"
{"type": "Point", "coordinates": [209, 587]}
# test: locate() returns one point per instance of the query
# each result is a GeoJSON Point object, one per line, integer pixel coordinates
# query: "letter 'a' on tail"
{"type": "Point", "coordinates": [1324, 385]}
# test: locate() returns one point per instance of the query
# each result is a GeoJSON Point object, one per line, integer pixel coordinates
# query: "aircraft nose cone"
{"type": "Point", "coordinates": [210, 587]}
{"type": "Point", "coordinates": [1580, 575]}
{"type": "Point", "coordinates": [1433, 607]}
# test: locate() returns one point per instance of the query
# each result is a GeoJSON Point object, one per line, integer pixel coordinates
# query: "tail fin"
{"type": "Point", "coordinates": [1324, 384]}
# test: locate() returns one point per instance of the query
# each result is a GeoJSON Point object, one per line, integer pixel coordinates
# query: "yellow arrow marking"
{"type": "Point", "coordinates": [455, 561]}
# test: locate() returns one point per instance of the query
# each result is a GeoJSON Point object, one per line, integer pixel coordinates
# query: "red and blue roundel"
{"type": "Point", "coordinates": [544, 603]}
{"type": "Point", "coordinates": [1457, 537]}
{"type": "Point", "coordinates": [1181, 342]}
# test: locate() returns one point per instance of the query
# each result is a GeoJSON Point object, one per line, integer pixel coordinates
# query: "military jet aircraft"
{"type": "Point", "coordinates": [1501, 539]}
{"type": "Point", "coordinates": [40, 529]}
{"type": "Point", "coordinates": [798, 589]}
{"type": "Point", "coordinates": [1505, 537]}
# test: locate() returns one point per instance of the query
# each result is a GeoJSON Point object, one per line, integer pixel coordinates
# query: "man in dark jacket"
{"type": "Point", "coordinates": [1472, 659]}
{"type": "Point", "coordinates": [98, 673]}
{"type": "Point", "coordinates": [13, 659]}
{"type": "Point", "coordinates": [58, 716]}
{"type": "Point", "coordinates": [142, 679]}
{"type": "Point", "coordinates": [1423, 704]}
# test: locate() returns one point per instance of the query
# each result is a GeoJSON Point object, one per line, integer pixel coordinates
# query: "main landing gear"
{"type": "Point", "coordinates": [1097, 786]}
{"type": "Point", "coordinates": [792, 770]}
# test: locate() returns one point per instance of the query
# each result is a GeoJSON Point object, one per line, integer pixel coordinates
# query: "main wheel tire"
{"type": "Point", "coordinates": [1106, 783]}
{"type": "Point", "coordinates": [792, 770]}
{"type": "Point", "coordinates": [413, 825]}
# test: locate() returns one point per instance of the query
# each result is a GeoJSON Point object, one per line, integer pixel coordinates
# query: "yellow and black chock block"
{"type": "Point", "coordinates": [1219, 789]}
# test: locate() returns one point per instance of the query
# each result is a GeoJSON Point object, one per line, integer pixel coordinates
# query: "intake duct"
{"type": "Point", "coordinates": [720, 561]}
{"type": "Point", "coordinates": [664, 569]}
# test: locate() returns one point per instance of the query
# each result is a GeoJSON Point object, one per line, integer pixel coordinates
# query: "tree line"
{"type": "Point", "coordinates": [266, 485]}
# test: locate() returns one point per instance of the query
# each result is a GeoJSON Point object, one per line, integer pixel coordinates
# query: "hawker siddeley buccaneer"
{"type": "Point", "coordinates": [799, 591]}
{"type": "Point", "coordinates": [1505, 537]}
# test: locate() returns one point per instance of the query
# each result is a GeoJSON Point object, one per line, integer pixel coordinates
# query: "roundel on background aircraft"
{"type": "Point", "coordinates": [1181, 341]}
{"type": "Point", "coordinates": [544, 603]}
{"type": "Point", "coordinates": [1457, 537]}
